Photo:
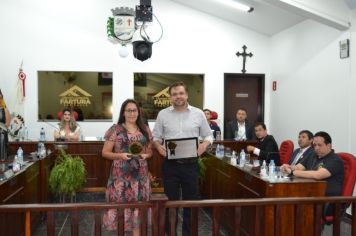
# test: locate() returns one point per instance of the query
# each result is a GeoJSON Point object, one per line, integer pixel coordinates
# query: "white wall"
{"type": "Point", "coordinates": [337, 10]}
{"type": "Point", "coordinates": [71, 35]}
{"type": "Point", "coordinates": [315, 86]}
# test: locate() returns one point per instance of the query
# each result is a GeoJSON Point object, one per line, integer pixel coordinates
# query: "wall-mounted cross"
{"type": "Point", "coordinates": [244, 55]}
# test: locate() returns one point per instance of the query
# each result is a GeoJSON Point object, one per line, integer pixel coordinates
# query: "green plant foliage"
{"type": "Point", "coordinates": [68, 174]}
{"type": "Point", "coordinates": [202, 167]}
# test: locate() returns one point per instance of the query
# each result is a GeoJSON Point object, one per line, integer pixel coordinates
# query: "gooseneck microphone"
{"type": "Point", "coordinates": [55, 127]}
{"type": "Point", "coordinates": [47, 123]}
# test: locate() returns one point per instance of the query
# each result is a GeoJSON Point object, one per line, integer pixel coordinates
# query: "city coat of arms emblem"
{"type": "Point", "coordinates": [121, 27]}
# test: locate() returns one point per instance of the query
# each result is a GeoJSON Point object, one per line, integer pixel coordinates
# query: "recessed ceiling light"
{"type": "Point", "coordinates": [236, 5]}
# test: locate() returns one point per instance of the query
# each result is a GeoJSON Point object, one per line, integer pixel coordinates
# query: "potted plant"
{"type": "Point", "coordinates": [202, 167]}
{"type": "Point", "coordinates": [67, 176]}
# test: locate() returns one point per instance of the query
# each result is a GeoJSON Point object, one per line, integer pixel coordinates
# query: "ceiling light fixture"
{"type": "Point", "coordinates": [236, 5]}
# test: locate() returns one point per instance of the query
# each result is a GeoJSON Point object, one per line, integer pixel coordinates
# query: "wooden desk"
{"type": "Point", "coordinates": [97, 167]}
{"type": "Point", "coordinates": [29, 185]}
{"type": "Point", "coordinates": [224, 181]}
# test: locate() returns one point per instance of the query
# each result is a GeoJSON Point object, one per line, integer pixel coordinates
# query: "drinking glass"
{"type": "Point", "coordinates": [247, 158]}
{"type": "Point", "coordinates": [228, 152]}
{"type": "Point", "coordinates": [218, 136]}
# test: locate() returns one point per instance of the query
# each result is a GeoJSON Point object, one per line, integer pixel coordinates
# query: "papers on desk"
{"type": "Point", "coordinates": [278, 179]}
{"type": "Point", "coordinates": [89, 138]}
{"type": "Point", "coordinates": [8, 174]}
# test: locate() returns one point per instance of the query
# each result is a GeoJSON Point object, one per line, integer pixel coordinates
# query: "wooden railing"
{"type": "Point", "coordinates": [159, 204]}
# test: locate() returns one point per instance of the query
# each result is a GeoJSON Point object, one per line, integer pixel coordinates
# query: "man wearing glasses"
{"type": "Point", "coordinates": [178, 121]}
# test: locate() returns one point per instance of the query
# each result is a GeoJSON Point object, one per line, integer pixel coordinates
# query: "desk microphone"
{"type": "Point", "coordinates": [55, 127]}
{"type": "Point", "coordinates": [47, 123]}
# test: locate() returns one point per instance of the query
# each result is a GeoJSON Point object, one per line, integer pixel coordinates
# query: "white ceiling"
{"type": "Point", "coordinates": [269, 16]}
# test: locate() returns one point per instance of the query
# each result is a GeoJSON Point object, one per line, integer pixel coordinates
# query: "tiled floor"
{"type": "Point", "coordinates": [86, 224]}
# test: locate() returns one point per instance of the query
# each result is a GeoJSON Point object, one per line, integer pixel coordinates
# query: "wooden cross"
{"type": "Point", "coordinates": [244, 55]}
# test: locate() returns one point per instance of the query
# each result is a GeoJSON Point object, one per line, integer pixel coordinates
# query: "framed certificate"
{"type": "Point", "coordinates": [181, 148]}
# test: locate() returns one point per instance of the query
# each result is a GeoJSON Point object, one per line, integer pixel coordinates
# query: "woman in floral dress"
{"type": "Point", "coordinates": [129, 179]}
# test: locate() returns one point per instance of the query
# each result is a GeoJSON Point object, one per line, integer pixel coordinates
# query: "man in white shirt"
{"type": "Point", "coordinates": [175, 122]}
{"type": "Point", "coordinates": [240, 128]}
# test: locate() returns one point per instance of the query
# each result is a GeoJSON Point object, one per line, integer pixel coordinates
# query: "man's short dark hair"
{"type": "Point", "coordinates": [241, 109]}
{"type": "Point", "coordinates": [307, 132]}
{"type": "Point", "coordinates": [176, 84]}
{"type": "Point", "coordinates": [206, 109]}
{"type": "Point", "coordinates": [326, 136]}
{"type": "Point", "coordinates": [260, 124]}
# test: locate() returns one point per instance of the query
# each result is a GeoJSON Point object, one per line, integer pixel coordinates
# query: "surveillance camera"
{"type": "Point", "coordinates": [142, 49]}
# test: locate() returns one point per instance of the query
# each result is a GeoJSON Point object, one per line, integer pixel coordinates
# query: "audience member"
{"type": "Point", "coordinates": [240, 128]}
{"type": "Point", "coordinates": [68, 129]}
{"type": "Point", "coordinates": [129, 180]}
{"type": "Point", "coordinates": [267, 148]}
{"type": "Point", "coordinates": [181, 120]}
{"type": "Point", "coordinates": [324, 165]}
{"type": "Point", "coordinates": [213, 125]}
{"type": "Point", "coordinates": [305, 150]}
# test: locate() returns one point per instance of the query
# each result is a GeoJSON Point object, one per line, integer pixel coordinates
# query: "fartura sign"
{"type": "Point", "coordinates": [75, 97]}
{"type": "Point", "coordinates": [162, 99]}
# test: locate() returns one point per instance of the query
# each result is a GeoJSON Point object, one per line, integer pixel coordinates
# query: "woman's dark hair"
{"type": "Point", "coordinates": [139, 121]}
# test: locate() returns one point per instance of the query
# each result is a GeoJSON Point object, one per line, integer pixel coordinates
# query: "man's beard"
{"type": "Point", "coordinates": [180, 104]}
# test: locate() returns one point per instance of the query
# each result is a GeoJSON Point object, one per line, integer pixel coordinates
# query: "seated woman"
{"type": "Point", "coordinates": [213, 125]}
{"type": "Point", "coordinates": [68, 130]}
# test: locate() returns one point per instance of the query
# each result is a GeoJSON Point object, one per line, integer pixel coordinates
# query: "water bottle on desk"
{"type": "Point", "coordinates": [263, 171]}
{"type": "Point", "coordinates": [41, 150]}
{"type": "Point", "coordinates": [233, 160]}
{"type": "Point", "coordinates": [15, 165]}
{"type": "Point", "coordinates": [242, 158]}
{"type": "Point", "coordinates": [219, 151]}
{"type": "Point", "coordinates": [20, 155]}
{"type": "Point", "coordinates": [271, 169]}
{"type": "Point", "coordinates": [222, 150]}
{"type": "Point", "coordinates": [42, 135]}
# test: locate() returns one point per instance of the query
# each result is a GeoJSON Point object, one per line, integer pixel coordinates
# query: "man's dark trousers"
{"type": "Point", "coordinates": [182, 175]}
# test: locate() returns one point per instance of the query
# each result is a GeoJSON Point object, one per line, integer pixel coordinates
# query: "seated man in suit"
{"type": "Point", "coordinates": [324, 165]}
{"type": "Point", "coordinates": [267, 148]}
{"type": "Point", "coordinates": [240, 128]}
{"type": "Point", "coordinates": [305, 150]}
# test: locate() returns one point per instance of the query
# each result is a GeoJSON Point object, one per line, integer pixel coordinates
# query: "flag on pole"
{"type": "Point", "coordinates": [18, 107]}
